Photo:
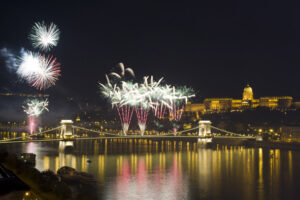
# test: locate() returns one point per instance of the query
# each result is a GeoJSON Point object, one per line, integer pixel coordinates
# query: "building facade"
{"type": "Point", "coordinates": [248, 101]}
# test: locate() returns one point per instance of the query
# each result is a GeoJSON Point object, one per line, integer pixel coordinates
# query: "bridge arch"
{"type": "Point", "coordinates": [66, 129]}
{"type": "Point", "coordinates": [204, 128]}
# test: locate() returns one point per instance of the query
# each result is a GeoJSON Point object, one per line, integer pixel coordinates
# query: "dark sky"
{"type": "Point", "coordinates": [216, 48]}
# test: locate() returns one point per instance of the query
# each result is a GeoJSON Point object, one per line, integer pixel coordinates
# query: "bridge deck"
{"type": "Point", "coordinates": [130, 137]}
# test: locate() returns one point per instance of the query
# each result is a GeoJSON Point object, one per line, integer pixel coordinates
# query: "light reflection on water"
{"type": "Point", "coordinates": [170, 170]}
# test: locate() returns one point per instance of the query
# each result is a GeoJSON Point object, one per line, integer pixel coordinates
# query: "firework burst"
{"type": "Point", "coordinates": [34, 108]}
{"type": "Point", "coordinates": [117, 97]}
{"type": "Point", "coordinates": [128, 96]}
{"type": "Point", "coordinates": [39, 71]}
{"type": "Point", "coordinates": [44, 36]}
{"type": "Point", "coordinates": [178, 98]}
{"type": "Point", "coordinates": [30, 63]}
{"type": "Point", "coordinates": [47, 75]}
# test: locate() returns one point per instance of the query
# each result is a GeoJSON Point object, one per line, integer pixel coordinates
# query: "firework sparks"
{"type": "Point", "coordinates": [156, 96]}
{"type": "Point", "coordinates": [129, 96]}
{"type": "Point", "coordinates": [34, 109]}
{"type": "Point", "coordinates": [125, 114]}
{"type": "Point", "coordinates": [123, 70]}
{"type": "Point", "coordinates": [178, 99]}
{"type": "Point", "coordinates": [47, 75]}
{"type": "Point", "coordinates": [30, 63]}
{"type": "Point", "coordinates": [40, 72]}
{"type": "Point", "coordinates": [117, 96]}
{"type": "Point", "coordinates": [44, 36]}
{"type": "Point", "coordinates": [142, 115]}
{"type": "Point", "coordinates": [32, 124]}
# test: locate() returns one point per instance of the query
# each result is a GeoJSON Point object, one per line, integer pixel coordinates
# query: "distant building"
{"type": "Point", "coordinates": [247, 101]}
{"type": "Point", "coordinates": [290, 133]}
{"type": "Point", "coordinates": [248, 93]}
{"type": "Point", "coordinates": [195, 107]}
{"type": "Point", "coordinates": [24, 95]}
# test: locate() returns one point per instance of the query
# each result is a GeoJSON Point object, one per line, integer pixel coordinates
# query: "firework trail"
{"type": "Point", "coordinates": [157, 94]}
{"type": "Point", "coordinates": [125, 114]}
{"type": "Point", "coordinates": [139, 97]}
{"type": "Point", "coordinates": [127, 100]}
{"type": "Point", "coordinates": [32, 124]}
{"type": "Point", "coordinates": [159, 111]}
{"type": "Point", "coordinates": [178, 99]}
{"type": "Point", "coordinates": [175, 114]}
{"type": "Point", "coordinates": [117, 96]}
{"type": "Point", "coordinates": [39, 71]}
{"type": "Point", "coordinates": [123, 70]}
{"type": "Point", "coordinates": [44, 36]}
{"type": "Point", "coordinates": [142, 115]}
{"type": "Point", "coordinates": [34, 108]}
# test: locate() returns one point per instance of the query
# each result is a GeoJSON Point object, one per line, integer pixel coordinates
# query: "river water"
{"type": "Point", "coordinates": [170, 170]}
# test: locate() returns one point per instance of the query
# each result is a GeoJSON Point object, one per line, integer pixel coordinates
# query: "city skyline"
{"type": "Point", "coordinates": [214, 49]}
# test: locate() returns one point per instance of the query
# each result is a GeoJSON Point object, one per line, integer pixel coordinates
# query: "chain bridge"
{"type": "Point", "coordinates": [202, 132]}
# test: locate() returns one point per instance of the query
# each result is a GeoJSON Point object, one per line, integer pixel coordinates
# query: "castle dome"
{"type": "Point", "coordinates": [248, 93]}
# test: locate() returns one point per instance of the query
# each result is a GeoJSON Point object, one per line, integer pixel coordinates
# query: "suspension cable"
{"type": "Point", "coordinates": [34, 134]}
{"type": "Point", "coordinates": [223, 130]}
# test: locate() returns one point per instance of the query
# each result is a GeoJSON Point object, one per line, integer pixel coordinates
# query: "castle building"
{"type": "Point", "coordinates": [248, 101]}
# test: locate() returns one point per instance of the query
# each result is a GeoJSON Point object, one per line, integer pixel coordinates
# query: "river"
{"type": "Point", "coordinates": [139, 170]}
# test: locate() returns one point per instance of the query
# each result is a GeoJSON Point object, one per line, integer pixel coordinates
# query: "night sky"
{"type": "Point", "coordinates": [215, 48]}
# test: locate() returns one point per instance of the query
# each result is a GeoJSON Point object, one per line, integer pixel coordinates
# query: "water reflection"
{"type": "Point", "coordinates": [131, 169]}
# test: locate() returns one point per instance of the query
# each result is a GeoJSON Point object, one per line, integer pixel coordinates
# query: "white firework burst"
{"type": "Point", "coordinates": [30, 63]}
{"type": "Point", "coordinates": [47, 75]}
{"type": "Point", "coordinates": [39, 71]}
{"type": "Point", "coordinates": [36, 107]}
{"type": "Point", "coordinates": [44, 36]}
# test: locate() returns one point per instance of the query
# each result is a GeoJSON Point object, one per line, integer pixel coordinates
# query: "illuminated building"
{"type": "Point", "coordinates": [290, 133]}
{"type": "Point", "coordinates": [230, 105]}
{"type": "Point", "coordinates": [195, 107]}
{"type": "Point", "coordinates": [220, 104]}
{"type": "Point", "coordinates": [248, 93]}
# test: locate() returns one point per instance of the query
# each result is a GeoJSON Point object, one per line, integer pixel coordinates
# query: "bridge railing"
{"type": "Point", "coordinates": [34, 134]}
{"type": "Point", "coordinates": [91, 130]}
{"type": "Point", "coordinates": [178, 133]}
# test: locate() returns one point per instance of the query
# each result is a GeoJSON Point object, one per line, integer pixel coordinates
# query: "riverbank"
{"type": "Point", "coordinates": [9, 183]}
{"type": "Point", "coordinates": [41, 183]}
{"type": "Point", "coordinates": [66, 184]}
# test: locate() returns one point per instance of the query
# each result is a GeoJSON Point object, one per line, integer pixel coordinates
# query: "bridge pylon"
{"type": "Point", "coordinates": [66, 129]}
{"type": "Point", "coordinates": [204, 128]}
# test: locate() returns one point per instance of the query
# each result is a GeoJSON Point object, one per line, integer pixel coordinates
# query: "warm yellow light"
{"type": "Point", "coordinates": [260, 130]}
{"type": "Point", "coordinates": [271, 130]}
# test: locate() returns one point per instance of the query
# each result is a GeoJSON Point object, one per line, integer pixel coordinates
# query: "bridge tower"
{"type": "Point", "coordinates": [66, 129]}
{"type": "Point", "coordinates": [204, 128]}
